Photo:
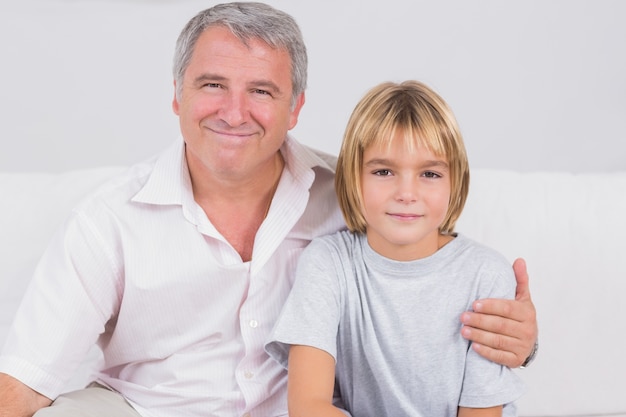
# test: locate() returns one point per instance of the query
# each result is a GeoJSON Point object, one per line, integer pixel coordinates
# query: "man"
{"type": "Point", "coordinates": [179, 268]}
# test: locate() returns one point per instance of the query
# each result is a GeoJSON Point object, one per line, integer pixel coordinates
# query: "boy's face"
{"type": "Point", "coordinates": [406, 194]}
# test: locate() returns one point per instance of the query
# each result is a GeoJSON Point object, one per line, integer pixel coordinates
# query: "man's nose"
{"type": "Point", "coordinates": [234, 109]}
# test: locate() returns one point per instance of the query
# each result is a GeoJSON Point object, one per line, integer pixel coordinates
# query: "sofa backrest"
{"type": "Point", "coordinates": [568, 227]}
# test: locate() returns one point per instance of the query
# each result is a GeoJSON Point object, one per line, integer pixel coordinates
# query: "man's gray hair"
{"type": "Point", "coordinates": [246, 20]}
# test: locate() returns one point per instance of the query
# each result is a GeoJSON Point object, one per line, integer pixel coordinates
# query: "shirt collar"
{"type": "Point", "coordinates": [169, 182]}
{"type": "Point", "coordinates": [300, 160]}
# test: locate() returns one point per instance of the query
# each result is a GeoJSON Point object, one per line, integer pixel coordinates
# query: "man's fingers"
{"type": "Point", "coordinates": [505, 350]}
{"type": "Point", "coordinates": [515, 319]}
{"type": "Point", "coordinates": [500, 309]}
{"type": "Point", "coordinates": [499, 356]}
{"type": "Point", "coordinates": [492, 326]}
{"type": "Point", "coordinates": [504, 331]}
{"type": "Point", "coordinates": [502, 340]}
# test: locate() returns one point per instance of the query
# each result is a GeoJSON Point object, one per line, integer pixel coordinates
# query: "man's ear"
{"type": "Point", "coordinates": [175, 105]}
{"type": "Point", "coordinates": [293, 120]}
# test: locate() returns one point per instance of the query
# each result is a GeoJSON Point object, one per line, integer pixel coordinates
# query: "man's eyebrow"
{"type": "Point", "coordinates": [257, 84]}
{"type": "Point", "coordinates": [265, 85]}
{"type": "Point", "coordinates": [206, 77]}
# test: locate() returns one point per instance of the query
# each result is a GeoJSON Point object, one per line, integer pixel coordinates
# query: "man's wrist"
{"type": "Point", "coordinates": [532, 355]}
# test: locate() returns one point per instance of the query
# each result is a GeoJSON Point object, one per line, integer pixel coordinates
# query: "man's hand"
{"type": "Point", "coordinates": [504, 331]}
{"type": "Point", "coordinates": [17, 399]}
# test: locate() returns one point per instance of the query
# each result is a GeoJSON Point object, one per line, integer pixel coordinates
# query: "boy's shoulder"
{"type": "Point", "coordinates": [473, 252]}
{"type": "Point", "coordinates": [342, 243]}
{"type": "Point", "coordinates": [341, 238]}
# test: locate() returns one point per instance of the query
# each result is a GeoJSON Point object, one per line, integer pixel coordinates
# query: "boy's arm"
{"type": "Point", "coordinates": [504, 331]}
{"type": "Point", "coordinates": [311, 383]}
{"type": "Point", "coordinates": [480, 412]}
{"type": "Point", "coordinates": [17, 399]}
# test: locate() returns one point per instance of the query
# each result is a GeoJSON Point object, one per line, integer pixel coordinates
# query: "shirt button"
{"type": "Point", "coordinates": [248, 374]}
{"type": "Point", "coordinates": [254, 324]}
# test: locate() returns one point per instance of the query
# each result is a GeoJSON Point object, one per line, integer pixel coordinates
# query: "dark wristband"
{"type": "Point", "coordinates": [532, 355]}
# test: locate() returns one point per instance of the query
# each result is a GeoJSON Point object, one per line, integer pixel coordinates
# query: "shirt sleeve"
{"type": "Point", "coordinates": [310, 315]}
{"type": "Point", "coordinates": [71, 297]}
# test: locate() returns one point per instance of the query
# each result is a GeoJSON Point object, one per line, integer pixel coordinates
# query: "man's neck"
{"type": "Point", "coordinates": [237, 208]}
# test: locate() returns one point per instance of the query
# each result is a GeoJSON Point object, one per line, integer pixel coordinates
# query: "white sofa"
{"type": "Point", "coordinates": [568, 227]}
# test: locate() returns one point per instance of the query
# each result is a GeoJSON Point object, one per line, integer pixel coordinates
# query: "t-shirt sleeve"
{"type": "Point", "coordinates": [485, 382]}
{"type": "Point", "coordinates": [310, 315]}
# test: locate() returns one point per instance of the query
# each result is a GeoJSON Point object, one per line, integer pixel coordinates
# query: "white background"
{"type": "Point", "coordinates": [535, 84]}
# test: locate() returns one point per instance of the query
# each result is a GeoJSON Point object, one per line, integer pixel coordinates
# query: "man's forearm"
{"type": "Point", "coordinates": [19, 400]}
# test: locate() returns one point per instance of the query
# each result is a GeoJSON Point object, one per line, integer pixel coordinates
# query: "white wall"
{"type": "Point", "coordinates": [535, 84]}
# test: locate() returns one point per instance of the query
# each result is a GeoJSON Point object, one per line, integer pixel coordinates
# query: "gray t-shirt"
{"type": "Point", "coordinates": [394, 327]}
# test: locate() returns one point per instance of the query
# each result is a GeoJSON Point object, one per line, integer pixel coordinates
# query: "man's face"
{"type": "Point", "coordinates": [235, 105]}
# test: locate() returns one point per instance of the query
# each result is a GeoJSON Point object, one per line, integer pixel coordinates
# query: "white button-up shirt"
{"type": "Point", "coordinates": [182, 321]}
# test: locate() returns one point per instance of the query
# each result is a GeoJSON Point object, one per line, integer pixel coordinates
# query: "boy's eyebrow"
{"type": "Point", "coordinates": [426, 164]}
{"type": "Point", "coordinates": [378, 161]}
{"type": "Point", "coordinates": [435, 163]}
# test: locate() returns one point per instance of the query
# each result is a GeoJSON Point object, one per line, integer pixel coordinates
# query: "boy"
{"type": "Point", "coordinates": [375, 309]}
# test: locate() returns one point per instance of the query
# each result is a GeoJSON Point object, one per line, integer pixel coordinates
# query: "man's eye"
{"type": "Point", "coordinates": [212, 85]}
{"type": "Point", "coordinates": [262, 92]}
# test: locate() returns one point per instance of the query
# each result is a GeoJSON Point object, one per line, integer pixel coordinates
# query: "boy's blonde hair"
{"type": "Point", "coordinates": [424, 119]}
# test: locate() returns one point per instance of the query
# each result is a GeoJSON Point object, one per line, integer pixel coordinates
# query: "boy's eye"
{"type": "Point", "coordinates": [382, 172]}
{"type": "Point", "coordinates": [430, 174]}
